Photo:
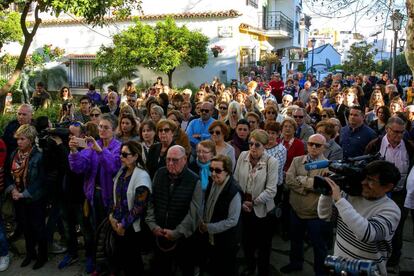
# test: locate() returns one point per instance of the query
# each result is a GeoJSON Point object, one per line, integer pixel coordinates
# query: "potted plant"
{"type": "Point", "coordinates": [216, 50]}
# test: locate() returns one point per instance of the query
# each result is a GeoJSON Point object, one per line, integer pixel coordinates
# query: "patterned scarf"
{"type": "Point", "coordinates": [19, 168]}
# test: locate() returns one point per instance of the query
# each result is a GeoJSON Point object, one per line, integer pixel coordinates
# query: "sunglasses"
{"type": "Point", "coordinates": [173, 160]}
{"type": "Point", "coordinates": [297, 117]}
{"type": "Point", "coordinates": [317, 145]}
{"type": "Point", "coordinates": [165, 130]}
{"type": "Point", "coordinates": [216, 170]}
{"type": "Point", "coordinates": [95, 115]}
{"type": "Point", "coordinates": [205, 110]}
{"type": "Point", "coordinates": [223, 108]}
{"type": "Point", "coordinates": [252, 122]}
{"type": "Point", "coordinates": [76, 124]}
{"type": "Point", "coordinates": [324, 116]}
{"type": "Point", "coordinates": [215, 132]}
{"type": "Point", "coordinates": [270, 112]}
{"type": "Point", "coordinates": [125, 154]}
{"type": "Point", "coordinates": [255, 144]}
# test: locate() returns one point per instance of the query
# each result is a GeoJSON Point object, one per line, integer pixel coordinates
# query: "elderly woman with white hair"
{"type": "Point", "coordinates": [234, 114]}
{"type": "Point", "coordinates": [287, 101]}
{"type": "Point", "coordinates": [157, 113]}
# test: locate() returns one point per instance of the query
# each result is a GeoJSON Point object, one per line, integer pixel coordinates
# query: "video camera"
{"type": "Point", "coordinates": [341, 266]}
{"type": "Point", "coordinates": [348, 174]}
{"type": "Point", "coordinates": [45, 136]}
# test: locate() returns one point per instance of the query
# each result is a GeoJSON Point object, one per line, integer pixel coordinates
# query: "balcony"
{"type": "Point", "coordinates": [276, 24]}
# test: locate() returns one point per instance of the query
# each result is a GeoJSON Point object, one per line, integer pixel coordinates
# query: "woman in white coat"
{"type": "Point", "coordinates": [257, 174]}
{"type": "Point", "coordinates": [132, 187]}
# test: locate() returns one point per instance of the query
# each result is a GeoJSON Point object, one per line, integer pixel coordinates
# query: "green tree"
{"type": "Point", "coordinates": [92, 11]}
{"type": "Point", "coordinates": [360, 59]}
{"type": "Point", "coordinates": [401, 66]}
{"type": "Point", "coordinates": [9, 28]}
{"type": "Point", "coordinates": [162, 48]}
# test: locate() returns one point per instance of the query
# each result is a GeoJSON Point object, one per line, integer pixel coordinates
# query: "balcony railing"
{"type": "Point", "coordinates": [276, 21]}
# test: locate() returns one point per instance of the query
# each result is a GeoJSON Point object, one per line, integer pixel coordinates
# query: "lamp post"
{"type": "Point", "coordinates": [313, 42]}
{"type": "Point", "coordinates": [396, 19]}
{"type": "Point", "coordinates": [401, 42]}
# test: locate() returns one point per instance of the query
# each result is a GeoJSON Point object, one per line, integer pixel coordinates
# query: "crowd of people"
{"type": "Point", "coordinates": [193, 177]}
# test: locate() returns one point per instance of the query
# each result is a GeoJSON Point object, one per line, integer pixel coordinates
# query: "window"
{"type": "Point", "coordinates": [252, 3]}
{"type": "Point", "coordinates": [81, 72]}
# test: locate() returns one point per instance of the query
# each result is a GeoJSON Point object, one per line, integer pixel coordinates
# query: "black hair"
{"type": "Point", "coordinates": [387, 172]}
{"type": "Point", "coordinates": [243, 122]}
{"type": "Point", "coordinates": [85, 98]}
{"type": "Point", "coordinates": [136, 149]}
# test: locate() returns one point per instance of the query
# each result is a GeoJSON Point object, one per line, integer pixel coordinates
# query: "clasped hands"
{"type": "Point", "coordinates": [116, 226]}
{"type": "Point", "coordinates": [166, 233]}
{"type": "Point", "coordinates": [16, 195]}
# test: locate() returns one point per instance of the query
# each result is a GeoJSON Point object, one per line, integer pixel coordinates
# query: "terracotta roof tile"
{"type": "Point", "coordinates": [208, 14]}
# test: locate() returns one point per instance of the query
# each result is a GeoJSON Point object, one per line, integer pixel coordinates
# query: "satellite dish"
{"type": "Point", "coordinates": [328, 63]}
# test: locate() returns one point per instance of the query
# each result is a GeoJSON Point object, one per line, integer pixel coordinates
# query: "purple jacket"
{"type": "Point", "coordinates": [87, 162]}
{"type": "Point", "coordinates": [95, 97]}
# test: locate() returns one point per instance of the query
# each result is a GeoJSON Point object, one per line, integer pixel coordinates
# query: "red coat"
{"type": "Point", "coordinates": [277, 89]}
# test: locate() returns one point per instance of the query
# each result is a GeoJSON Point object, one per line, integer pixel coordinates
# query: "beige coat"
{"type": "Point", "coordinates": [263, 181]}
{"type": "Point", "coordinates": [303, 199]}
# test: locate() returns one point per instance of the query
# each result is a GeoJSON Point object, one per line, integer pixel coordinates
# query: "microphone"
{"type": "Point", "coordinates": [317, 165]}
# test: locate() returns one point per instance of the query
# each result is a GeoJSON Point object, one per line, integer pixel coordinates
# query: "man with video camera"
{"type": "Point", "coordinates": [365, 223]}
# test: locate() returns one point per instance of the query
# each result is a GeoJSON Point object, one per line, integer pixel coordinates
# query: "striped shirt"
{"type": "Point", "coordinates": [365, 227]}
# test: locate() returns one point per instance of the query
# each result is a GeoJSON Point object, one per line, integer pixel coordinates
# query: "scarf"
{"type": "Point", "coordinates": [243, 145]}
{"type": "Point", "coordinates": [19, 168]}
{"type": "Point", "coordinates": [204, 173]}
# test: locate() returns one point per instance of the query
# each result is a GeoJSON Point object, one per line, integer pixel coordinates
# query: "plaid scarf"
{"type": "Point", "coordinates": [19, 168]}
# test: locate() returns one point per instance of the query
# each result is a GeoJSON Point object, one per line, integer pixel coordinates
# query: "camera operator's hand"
{"type": "Point", "coordinates": [336, 191]}
{"type": "Point", "coordinates": [95, 145]}
{"type": "Point", "coordinates": [73, 145]}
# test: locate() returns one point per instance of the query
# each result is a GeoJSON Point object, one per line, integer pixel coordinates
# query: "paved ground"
{"type": "Point", "coordinates": [279, 257]}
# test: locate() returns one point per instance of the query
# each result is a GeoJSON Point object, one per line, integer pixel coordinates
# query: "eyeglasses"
{"type": "Point", "coordinates": [125, 154]}
{"type": "Point", "coordinates": [203, 152]}
{"type": "Point", "coordinates": [252, 122]}
{"type": "Point", "coordinates": [317, 145]}
{"type": "Point", "coordinates": [324, 116]}
{"type": "Point", "coordinates": [397, 131]}
{"type": "Point", "coordinates": [270, 112]}
{"type": "Point", "coordinates": [95, 115]}
{"type": "Point", "coordinates": [255, 144]}
{"type": "Point", "coordinates": [297, 117]}
{"type": "Point", "coordinates": [104, 127]}
{"type": "Point", "coordinates": [215, 132]}
{"type": "Point", "coordinates": [173, 160]}
{"type": "Point", "coordinates": [216, 170]}
{"type": "Point", "coordinates": [234, 112]}
{"type": "Point", "coordinates": [165, 130]}
{"type": "Point", "coordinates": [223, 108]}
{"type": "Point", "coordinates": [205, 110]}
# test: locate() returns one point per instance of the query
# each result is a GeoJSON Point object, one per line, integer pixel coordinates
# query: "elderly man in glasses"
{"type": "Point", "coordinates": [174, 213]}
{"type": "Point", "coordinates": [197, 129]}
{"type": "Point", "coordinates": [304, 202]}
{"type": "Point", "coordinates": [304, 131]}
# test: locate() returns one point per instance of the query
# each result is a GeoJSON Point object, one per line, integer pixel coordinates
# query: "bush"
{"type": "Point", "coordinates": [4, 120]}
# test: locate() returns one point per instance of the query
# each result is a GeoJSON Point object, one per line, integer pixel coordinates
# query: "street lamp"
{"type": "Point", "coordinates": [313, 42]}
{"type": "Point", "coordinates": [401, 42]}
{"type": "Point", "coordinates": [396, 19]}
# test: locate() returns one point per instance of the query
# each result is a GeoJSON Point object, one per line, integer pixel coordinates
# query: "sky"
{"type": "Point", "coordinates": [362, 23]}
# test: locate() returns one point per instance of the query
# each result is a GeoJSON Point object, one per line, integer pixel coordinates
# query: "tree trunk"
{"type": "Point", "coordinates": [409, 52]}
{"type": "Point", "coordinates": [169, 74]}
{"type": "Point", "coordinates": [28, 38]}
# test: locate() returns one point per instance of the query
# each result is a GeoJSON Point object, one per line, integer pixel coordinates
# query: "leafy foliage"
{"type": "Point", "coordinates": [401, 67]}
{"type": "Point", "coordinates": [10, 30]}
{"type": "Point", "coordinates": [161, 48]}
{"type": "Point", "coordinates": [360, 59]}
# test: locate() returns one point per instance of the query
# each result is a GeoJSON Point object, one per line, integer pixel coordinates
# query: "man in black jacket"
{"type": "Point", "coordinates": [174, 213]}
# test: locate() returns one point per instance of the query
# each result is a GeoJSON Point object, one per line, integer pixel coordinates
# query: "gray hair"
{"type": "Point", "coordinates": [395, 120]}
{"type": "Point", "coordinates": [179, 148]}
{"type": "Point", "coordinates": [28, 106]}
{"type": "Point", "coordinates": [110, 118]}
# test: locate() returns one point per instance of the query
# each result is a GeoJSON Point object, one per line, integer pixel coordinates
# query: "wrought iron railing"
{"type": "Point", "coordinates": [276, 20]}
{"type": "Point", "coordinates": [82, 72]}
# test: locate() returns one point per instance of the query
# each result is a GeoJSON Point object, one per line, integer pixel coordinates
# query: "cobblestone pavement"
{"type": "Point", "coordinates": [279, 257]}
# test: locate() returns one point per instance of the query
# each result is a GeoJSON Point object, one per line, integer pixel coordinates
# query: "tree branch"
{"type": "Point", "coordinates": [38, 20]}
{"type": "Point", "coordinates": [23, 19]}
